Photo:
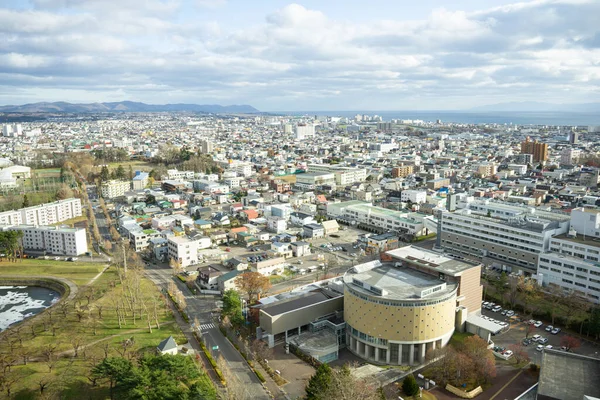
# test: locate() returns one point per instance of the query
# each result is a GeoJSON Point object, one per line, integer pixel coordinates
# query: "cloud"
{"type": "Point", "coordinates": [298, 57]}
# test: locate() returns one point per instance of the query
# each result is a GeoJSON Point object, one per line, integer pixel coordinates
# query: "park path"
{"type": "Point", "coordinates": [107, 266]}
{"type": "Point", "coordinates": [68, 352]}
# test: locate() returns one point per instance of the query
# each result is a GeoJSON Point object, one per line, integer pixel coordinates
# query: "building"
{"type": "Point", "coordinates": [44, 214]}
{"type": "Point", "coordinates": [114, 188]}
{"type": "Point", "coordinates": [167, 346]}
{"type": "Point", "coordinates": [276, 224]}
{"type": "Point", "coordinates": [269, 266]}
{"type": "Point", "coordinates": [396, 311]}
{"type": "Point", "coordinates": [140, 180]}
{"type": "Point", "coordinates": [310, 181]}
{"type": "Point", "coordinates": [414, 196]}
{"type": "Point", "coordinates": [379, 219]}
{"type": "Point", "coordinates": [292, 313]}
{"type": "Point", "coordinates": [569, 156]}
{"type": "Point", "coordinates": [402, 171]}
{"type": "Point", "coordinates": [343, 175]}
{"type": "Point", "coordinates": [537, 149]}
{"type": "Point", "coordinates": [300, 249]}
{"type": "Point", "coordinates": [206, 146]}
{"type": "Point", "coordinates": [438, 183]}
{"type": "Point", "coordinates": [566, 375]}
{"type": "Point", "coordinates": [52, 240]}
{"type": "Point", "coordinates": [184, 250]}
{"type": "Point", "coordinates": [304, 131]}
{"type": "Point", "coordinates": [574, 137]}
{"type": "Point", "coordinates": [313, 231]}
{"type": "Point", "coordinates": [330, 227]}
{"type": "Point", "coordinates": [140, 239]}
{"type": "Point", "coordinates": [507, 236]}
{"type": "Point", "coordinates": [487, 170]}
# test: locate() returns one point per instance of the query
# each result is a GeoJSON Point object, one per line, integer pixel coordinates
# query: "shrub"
{"type": "Point", "coordinates": [410, 386]}
{"type": "Point", "coordinates": [260, 377]}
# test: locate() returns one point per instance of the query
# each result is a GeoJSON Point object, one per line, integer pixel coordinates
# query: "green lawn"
{"type": "Point", "coordinates": [93, 332]}
{"type": "Point", "coordinates": [135, 165]}
{"type": "Point", "coordinates": [78, 272]}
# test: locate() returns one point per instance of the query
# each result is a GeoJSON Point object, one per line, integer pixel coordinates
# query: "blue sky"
{"type": "Point", "coordinates": [308, 55]}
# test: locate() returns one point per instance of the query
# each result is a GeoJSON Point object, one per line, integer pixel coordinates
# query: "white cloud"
{"type": "Point", "coordinates": [297, 55]}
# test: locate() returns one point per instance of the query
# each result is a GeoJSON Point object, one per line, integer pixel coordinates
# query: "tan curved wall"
{"type": "Point", "coordinates": [404, 324]}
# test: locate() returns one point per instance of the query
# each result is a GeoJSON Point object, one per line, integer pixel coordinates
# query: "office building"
{"type": "Point", "coordinates": [414, 196]}
{"type": "Point", "coordinates": [114, 188]}
{"type": "Point", "coordinates": [574, 137]}
{"type": "Point", "coordinates": [538, 150]}
{"type": "Point", "coordinates": [569, 156]}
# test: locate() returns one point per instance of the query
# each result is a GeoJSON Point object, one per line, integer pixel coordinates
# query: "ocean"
{"type": "Point", "coordinates": [461, 117]}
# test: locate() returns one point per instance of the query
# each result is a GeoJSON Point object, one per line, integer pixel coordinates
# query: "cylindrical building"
{"type": "Point", "coordinates": [395, 315]}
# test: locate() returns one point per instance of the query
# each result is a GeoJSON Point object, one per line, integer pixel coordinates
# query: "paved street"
{"type": "Point", "coordinates": [201, 307]}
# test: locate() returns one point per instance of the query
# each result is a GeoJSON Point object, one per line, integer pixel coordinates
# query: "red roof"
{"type": "Point", "coordinates": [252, 214]}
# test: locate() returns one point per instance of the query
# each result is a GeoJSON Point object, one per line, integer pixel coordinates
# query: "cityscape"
{"type": "Point", "coordinates": [180, 226]}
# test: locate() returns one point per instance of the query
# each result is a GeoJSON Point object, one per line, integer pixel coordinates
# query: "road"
{"type": "Point", "coordinates": [201, 307]}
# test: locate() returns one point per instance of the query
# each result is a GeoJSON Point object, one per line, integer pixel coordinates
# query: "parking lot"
{"type": "Point", "coordinates": [516, 332]}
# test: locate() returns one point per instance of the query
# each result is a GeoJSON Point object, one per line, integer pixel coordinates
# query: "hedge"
{"type": "Point", "coordinates": [211, 360]}
{"type": "Point", "coordinates": [181, 278]}
{"type": "Point", "coordinates": [259, 375]}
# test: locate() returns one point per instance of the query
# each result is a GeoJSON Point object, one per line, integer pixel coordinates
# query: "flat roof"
{"type": "Point", "coordinates": [430, 259]}
{"type": "Point", "coordinates": [294, 303]}
{"type": "Point", "coordinates": [481, 322]}
{"type": "Point", "coordinates": [589, 241]}
{"type": "Point", "coordinates": [396, 283]}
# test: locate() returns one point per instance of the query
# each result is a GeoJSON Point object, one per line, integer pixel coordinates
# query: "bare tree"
{"type": "Point", "coordinates": [76, 341]}
{"type": "Point", "coordinates": [49, 354]}
{"type": "Point", "coordinates": [235, 388]}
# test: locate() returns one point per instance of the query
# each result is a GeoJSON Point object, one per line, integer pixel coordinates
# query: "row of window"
{"type": "Point", "coordinates": [401, 303]}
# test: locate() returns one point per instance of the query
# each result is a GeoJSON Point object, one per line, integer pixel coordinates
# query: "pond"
{"type": "Point", "coordinates": [20, 302]}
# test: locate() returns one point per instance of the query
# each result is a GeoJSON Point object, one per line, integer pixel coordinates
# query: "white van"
{"type": "Point", "coordinates": [302, 271]}
{"type": "Point", "coordinates": [496, 308]}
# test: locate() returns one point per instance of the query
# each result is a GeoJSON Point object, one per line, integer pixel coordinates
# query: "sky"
{"type": "Point", "coordinates": [309, 55]}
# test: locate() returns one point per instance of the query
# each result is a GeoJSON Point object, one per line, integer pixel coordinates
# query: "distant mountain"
{"type": "Point", "coordinates": [128, 106]}
{"type": "Point", "coordinates": [534, 106]}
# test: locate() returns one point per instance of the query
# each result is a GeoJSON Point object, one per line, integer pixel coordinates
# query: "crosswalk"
{"type": "Point", "coordinates": [207, 326]}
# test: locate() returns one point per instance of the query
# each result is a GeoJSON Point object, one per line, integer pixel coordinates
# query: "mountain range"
{"type": "Point", "coordinates": [534, 106]}
{"type": "Point", "coordinates": [126, 106]}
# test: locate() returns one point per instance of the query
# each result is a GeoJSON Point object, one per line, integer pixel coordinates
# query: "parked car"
{"type": "Point", "coordinates": [526, 342]}
{"type": "Point", "coordinates": [535, 338]}
{"type": "Point", "coordinates": [548, 346]}
{"type": "Point", "coordinates": [555, 331]}
{"type": "Point", "coordinates": [549, 328]}
{"type": "Point", "coordinates": [543, 340]}
{"type": "Point", "coordinates": [539, 347]}
{"type": "Point", "coordinates": [538, 324]}
{"type": "Point", "coordinates": [510, 313]}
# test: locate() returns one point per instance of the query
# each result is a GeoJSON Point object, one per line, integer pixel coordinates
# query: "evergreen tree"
{"type": "Point", "coordinates": [25, 201]}
{"type": "Point", "coordinates": [410, 386]}
{"type": "Point", "coordinates": [104, 173]}
{"type": "Point", "coordinates": [120, 172]}
{"type": "Point", "coordinates": [318, 385]}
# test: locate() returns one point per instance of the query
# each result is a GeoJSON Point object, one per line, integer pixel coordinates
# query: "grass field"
{"type": "Point", "coordinates": [47, 172]}
{"type": "Point", "coordinates": [135, 165]}
{"type": "Point", "coordinates": [90, 322]}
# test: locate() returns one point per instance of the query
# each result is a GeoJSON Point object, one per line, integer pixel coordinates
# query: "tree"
{"type": "Point", "coordinates": [483, 361]}
{"type": "Point", "coordinates": [318, 384]}
{"type": "Point", "coordinates": [113, 369]}
{"type": "Point", "coordinates": [25, 201]}
{"type": "Point", "coordinates": [410, 386]}
{"type": "Point", "coordinates": [120, 172]}
{"type": "Point", "coordinates": [501, 286]}
{"type": "Point", "coordinates": [253, 284]}
{"type": "Point", "coordinates": [519, 353]}
{"type": "Point", "coordinates": [64, 192]}
{"type": "Point", "coordinates": [232, 306]}
{"type": "Point", "coordinates": [104, 173]}
{"type": "Point", "coordinates": [529, 329]}
{"type": "Point", "coordinates": [570, 342]}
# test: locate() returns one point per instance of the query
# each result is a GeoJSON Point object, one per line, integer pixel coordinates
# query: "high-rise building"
{"type": "Point", "coordinates": [206, 146]}
{"type": "Point", "coordinates": [537, 149]}
{"type": "Point", "coordinates": [304, 131]}
{"type": "Point", "coordinates": [574, 137]}
{"type": "Point", "coordinates": [569, 156]}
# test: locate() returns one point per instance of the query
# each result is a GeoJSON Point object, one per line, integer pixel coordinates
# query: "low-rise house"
{"type": "Point", "coordinates": [300, 249]}
{"type": "Point", "coordinates": [313, 231]}
{"type": "Point", "coordinates": [167, 346]}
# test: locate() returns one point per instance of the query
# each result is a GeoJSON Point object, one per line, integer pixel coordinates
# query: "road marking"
{"type": "Point", "coordinates": [207, 326]}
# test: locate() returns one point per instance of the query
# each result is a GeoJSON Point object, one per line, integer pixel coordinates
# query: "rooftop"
{"type": "Point", "coordinates": [430, 259]}
{"type": "Point", "coordinates": [397, 283]}
{"type": "Point", "coordinates": [303, 300]}
{"type": "Point", "coordinates": [580, 239]}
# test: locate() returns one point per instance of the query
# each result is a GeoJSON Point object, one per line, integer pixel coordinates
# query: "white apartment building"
{"type": "Point", "coordinates": [52, 240]}
{"type": "Point", "coordinates": [184, 250]}
{"type": "Point", "coordinates": [304, 131]}
{"type": "Point", "coordinates": [46, 214]}
{"type": "Point", "coordinates": [174, 174]}
{"type": "Point", "coordinates": [10, 218]}
{"type": "Point", "coordinates": [519, 169]}
{"type": "Point", "coordinates": [233, 182]}
{"type": "Point", "coordinates": [414, 196]}
{"type": "Point", "coordinates": [140, 239]}
{"type": "Point", "coordinates": [507, 236]}
{"type": "Point", "coordinates": [244, 169]}
{"type": "Point", "coordinates": [309, 181]}
{"type": "Point", "coordinates": [114, 188]}
{"type": "Point", "coordinates": [568, 156]}
{"type": "Point", "coordinates": [572, 263]}
{"type": "Point", "coordinates": [276, 224]}
{"type": "Point", "coordinates": [209, 186]}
